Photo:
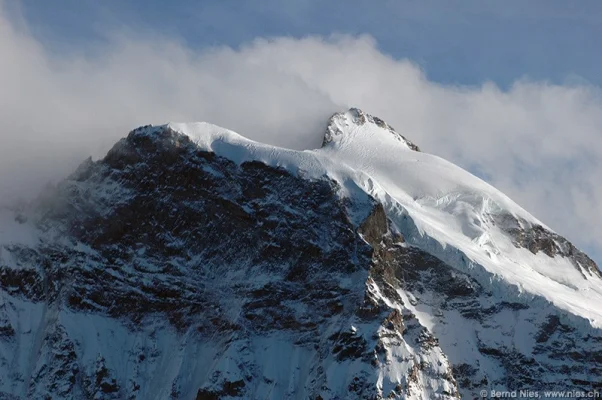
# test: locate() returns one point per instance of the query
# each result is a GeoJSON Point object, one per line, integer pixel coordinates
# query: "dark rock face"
{"type": "Point", "coordinates": [229, 389]}
{"type": "Point", "coordinates": [400, 327]}
{"type": "Point", "coordinates": [189, 214]}
{"type": "Point", "coordinates": [537, 239]}
{"type": "Point", "coordinates": [61, 366]}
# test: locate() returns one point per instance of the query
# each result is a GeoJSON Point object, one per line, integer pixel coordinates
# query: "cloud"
{"type": "Point", "coordinates": [539, 143]}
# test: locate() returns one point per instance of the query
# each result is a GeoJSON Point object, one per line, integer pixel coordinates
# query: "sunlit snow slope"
{"type": "Point", "coordinates": [450, 213]}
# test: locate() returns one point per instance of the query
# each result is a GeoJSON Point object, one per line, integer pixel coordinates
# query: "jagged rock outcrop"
{"type": "Point", "coordinates": [360, 118]}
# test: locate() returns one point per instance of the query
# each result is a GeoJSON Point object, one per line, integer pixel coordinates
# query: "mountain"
{"type": "Point", "coordinates": [193, 263]}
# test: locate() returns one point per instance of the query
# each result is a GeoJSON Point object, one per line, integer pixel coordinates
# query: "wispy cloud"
{"type": "Point", "coordinates": [540, 143]}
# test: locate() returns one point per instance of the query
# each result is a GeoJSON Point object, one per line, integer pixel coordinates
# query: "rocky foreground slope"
{"type": "Point", "coordinates": [191, 263]}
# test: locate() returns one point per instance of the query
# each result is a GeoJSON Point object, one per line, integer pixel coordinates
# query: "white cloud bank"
{"type": "Point", "coordinates": [539, 143]}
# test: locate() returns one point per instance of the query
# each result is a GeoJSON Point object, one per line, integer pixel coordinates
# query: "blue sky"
{"type": "Point", "coordinates": [509, 90]}
{"type": "Point", "coordinates": [464, 42]}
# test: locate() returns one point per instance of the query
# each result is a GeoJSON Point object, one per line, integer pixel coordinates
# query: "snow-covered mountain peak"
{"type": "Point", "coordinates": [447, 206]}
{"type": "Point", "coordinates": [356, 122]}
{"type": "Point", "coordinates": [192, 262]}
